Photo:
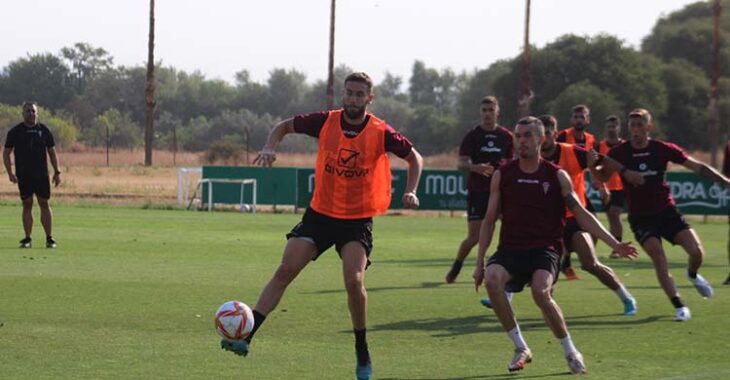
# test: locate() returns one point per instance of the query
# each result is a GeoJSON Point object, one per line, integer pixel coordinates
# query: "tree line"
{"type": "Point", "coordinates": [87, 99]}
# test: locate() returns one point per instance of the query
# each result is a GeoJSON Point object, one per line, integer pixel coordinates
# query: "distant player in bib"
{"type": "Point", "coordinates": [575, 160]}
{"type": "Point", "coordinates": [652, 211]}
{"type": "Point", "coordinates": [580, 120]}
{"type": "Point", "coordinates": [612, 191]}
{"type": "Point", "coordinates": [531, 195]}
{"type": "Point", "coordinates": [352, 185]}
{"type": "Point", "coordinates": [483, 150]}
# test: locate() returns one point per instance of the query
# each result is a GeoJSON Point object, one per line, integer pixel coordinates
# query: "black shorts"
{"type": "Point", "coordinates": [589, 206]}
{"type": "Point", "coordinates": [618, 199]}
{"type": "Point", "coordinates": [326, 231]}
{"type": "Point", "coordinates": [571, 227]}
{"type": "Point", "coordinates": [521, 265]}
{"type": "Point", "coordinates": [476, 205]}
{"type": "Point", "coordinates": [40, 186]}
{"type": "Point", "coordinates": [666, 224]}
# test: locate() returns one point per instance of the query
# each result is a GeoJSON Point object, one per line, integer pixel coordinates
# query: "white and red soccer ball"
{"type": "Point", "coordinates": [234, 320]}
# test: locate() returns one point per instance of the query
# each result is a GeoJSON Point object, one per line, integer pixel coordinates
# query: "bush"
{"type": "Point", "coordinates": [225, 152]}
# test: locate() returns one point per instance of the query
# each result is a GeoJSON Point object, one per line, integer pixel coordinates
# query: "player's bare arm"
{"type": "Point", "coordinates": [608, 166]}
{"type": "Point", "coordinates": [267, 155]}
{"type": "Point", "coordinates": [486, 231]}
{"type": "Point", "coordinates": [8, 165]}
{"type": "Point", "coordinates": [415, 167]}
{"type": "Point", "coordinates": [588, 221]}
{"type": "Point", "coordinates": [54, 162]}
{"type": "Point", "coordinates": [466, 166]}
{"type": "Point", "coordinates": [706, 171]}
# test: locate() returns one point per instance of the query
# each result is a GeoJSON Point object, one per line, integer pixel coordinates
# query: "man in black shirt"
{"type": "Point", "coordinates": [30, 141]}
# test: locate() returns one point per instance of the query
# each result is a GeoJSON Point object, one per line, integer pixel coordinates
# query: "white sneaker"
{"type": "Point", "coordinates": [703, 287]}
{"type": "Point", "coordinates": [683, 314]}
{"type": "Point", "coordinates": [522, 357]}
{"type": "Point", "coordinates": [575, 363]}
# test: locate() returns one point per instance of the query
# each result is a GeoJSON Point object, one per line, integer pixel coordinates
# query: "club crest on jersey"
{"type": "Point", "coordinates": [545, 187]}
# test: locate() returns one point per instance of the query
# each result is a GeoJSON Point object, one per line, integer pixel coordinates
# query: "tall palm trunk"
{"type": "Point", "coordinates": [331, 65]}
{"type": "Point", "coordinates": [149, 128]}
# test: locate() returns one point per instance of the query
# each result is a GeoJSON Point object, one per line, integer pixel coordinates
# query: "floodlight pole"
{"type": "Point", "coordinates": [714, 93]}
{"type": "Point", "coordinates": [331, 64]}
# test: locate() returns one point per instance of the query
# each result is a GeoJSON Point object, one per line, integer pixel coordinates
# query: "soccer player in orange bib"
{"type": "Point", "coordinates": [352, 185]}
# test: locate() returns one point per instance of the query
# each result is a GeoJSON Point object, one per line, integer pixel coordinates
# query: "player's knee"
{"type": "Point", "coordinates": [354, 284]}
{"type": "Point", "coordinates": [542, 297]}
{"type": "Point", "coordinates": [43, 204]}
{"type": "Point", "coordinates": [28, 203]}
{"type": "Point", "coordinates": [590, 267]}
{"type": "Point", "coordinates": [696, 250]}
{"type": "Point", "coordinates": [494, 283]}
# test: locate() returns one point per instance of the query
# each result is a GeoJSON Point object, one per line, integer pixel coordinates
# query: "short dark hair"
{"type": "Point", "coordinates": [640, 113]}
{"type": "Point", "coordinates": [361, 77]}
{"type": "Point", "coordinates": [490, 100]}
{"type": "Point", "coordinates": [531, 120]}
{"type": "Point", "coordinates": [581, 108]}
{"type": "Point", "coordinates": [614, 119]}
{"type": "Point", "coordinates": [28, 103]}
{"type": "Point", "coordinates": [549, 121]}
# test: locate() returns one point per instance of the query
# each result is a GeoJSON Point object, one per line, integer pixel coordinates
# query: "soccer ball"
{"type": "Point", "coordinates": [234, 320]}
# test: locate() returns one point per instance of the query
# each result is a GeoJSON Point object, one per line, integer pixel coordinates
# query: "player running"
{"type": "Point", "coordinates": [483, 149]}
{"type": "Point", "coordinates": [652, 211]}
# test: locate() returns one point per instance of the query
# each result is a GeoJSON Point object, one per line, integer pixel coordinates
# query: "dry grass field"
{"type": "Point", "coordinates": [87, 178]}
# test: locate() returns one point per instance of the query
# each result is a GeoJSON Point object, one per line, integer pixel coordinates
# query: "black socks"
{"type": "Point", "coordinates": [258, 319]}
{"type": "Point", "coordinates": [676, 302]}
{"type": "Point", "coordinates": [361, 346]}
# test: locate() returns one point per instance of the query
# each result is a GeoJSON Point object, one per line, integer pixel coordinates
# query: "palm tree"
{"type": "Point", "coordinates": [331, 67]}
{"type": "Point", "coordinates": [525, 93]}
{"type": "Point", "coordinates": [150, 90]}
{"type": "Point", "coordinates": [714, 93]}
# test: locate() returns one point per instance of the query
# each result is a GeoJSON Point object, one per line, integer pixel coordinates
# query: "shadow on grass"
{"type": "Point", "coordinates": [424, 285]}
{"type": "Point", "coordinates": [446, 263]}
{"type": "Point", "coordinates": [452, 327]}
{"type": "Point", "coordinates": [497, 377]}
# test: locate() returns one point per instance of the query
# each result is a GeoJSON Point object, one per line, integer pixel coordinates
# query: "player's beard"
{"type": "Point", "coordinates": [580, 127]}
{"type": "Point", "coordinates": [612, 135]}
{"type": "Point", "coordinates": [354, 112]}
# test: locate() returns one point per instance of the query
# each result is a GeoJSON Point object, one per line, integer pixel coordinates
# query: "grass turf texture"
{"type": "Point", "coordinates": [131, 293]}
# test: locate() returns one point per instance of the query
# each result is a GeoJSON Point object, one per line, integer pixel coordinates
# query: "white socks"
{"type": "Point", "coordinates": [568, 346]}
{"type": "Point", "coordinates": [622, 292]}
{"type": "Point", "coordinates": [516, 335]}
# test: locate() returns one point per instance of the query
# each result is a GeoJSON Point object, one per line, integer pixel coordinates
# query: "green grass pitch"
{"type": "Point", "coordinates": [130, 294]}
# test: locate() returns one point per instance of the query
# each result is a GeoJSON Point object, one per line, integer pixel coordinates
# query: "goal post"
{"type": "Point", "coordinates": [209, 182]}
{"type": "Point", "coordinates": [187, 181]}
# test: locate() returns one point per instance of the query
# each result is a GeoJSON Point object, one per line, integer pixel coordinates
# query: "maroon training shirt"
{"type": "Point", "coordinates": [654, 195]}
{"type": "Point", "coordinates": [481, 146]}
{"type": "Point", "coordinates": [310, 124]}
{"type": "Point", "coordinates": [533, 209]}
